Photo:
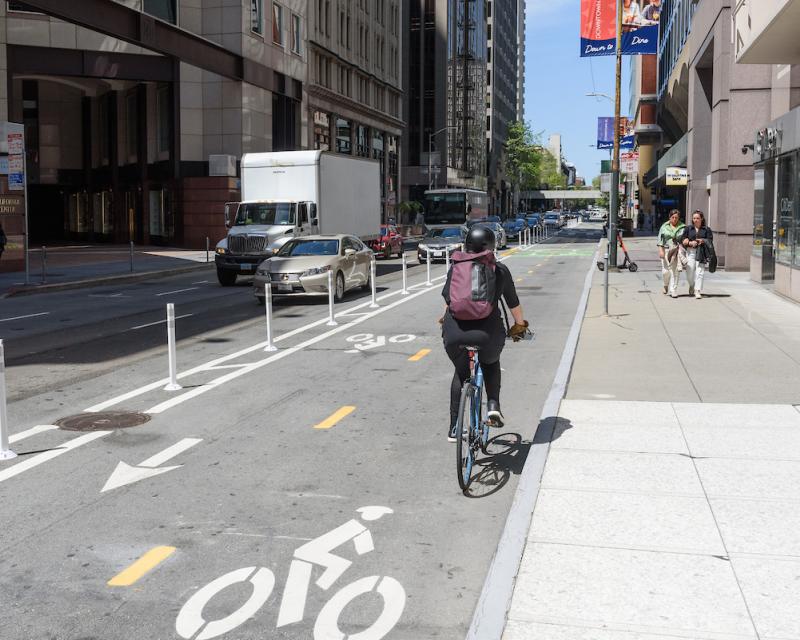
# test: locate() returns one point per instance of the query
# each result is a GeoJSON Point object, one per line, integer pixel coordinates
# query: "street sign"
{"type": "Point", "coordinates": [629, 162]}
{"type": "Point", "coordinates": [677, 177]}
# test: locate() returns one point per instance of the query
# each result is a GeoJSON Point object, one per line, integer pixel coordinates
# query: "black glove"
{"type": "Point", "coordinates": [518, 331]}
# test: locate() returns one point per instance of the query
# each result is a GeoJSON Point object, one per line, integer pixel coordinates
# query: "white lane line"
{"type": "Point", "coordinates": [170, 452]}
{"type": "Point", "coordinates": [169, 293]}
{"type": "Point", "coordinates": [31, 432]}
{"type": "Point", "coordinates": [198, 391]}
{"type": "Point", "coordinates": [202, 282]}
{"type": "Point", "coordinates": [153, 324]}
{"type": "Point", "coordinates": [102, 406]}
{"type": "Point", "coordinates": [32, 315]}
{"type": "Point", "coordinates": [35, 461]}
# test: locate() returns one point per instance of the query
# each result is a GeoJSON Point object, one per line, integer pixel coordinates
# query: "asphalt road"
{"type": "Point", "coordinates": [237, 510]}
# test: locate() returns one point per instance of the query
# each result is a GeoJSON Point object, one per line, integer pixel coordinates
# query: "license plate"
{"type": "Point", "coordinates": [247, 267]}
{"type": "Point", "coordinates": [285, 288]}
{"type": "Point", "coordinates": [438, 254]}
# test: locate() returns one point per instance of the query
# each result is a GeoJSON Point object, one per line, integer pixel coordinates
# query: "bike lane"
{"type": "Point", "coordinates": [264, 482]}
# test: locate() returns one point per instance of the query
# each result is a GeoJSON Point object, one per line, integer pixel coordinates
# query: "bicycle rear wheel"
{"type": "Point", "coordinates": [465, 428]}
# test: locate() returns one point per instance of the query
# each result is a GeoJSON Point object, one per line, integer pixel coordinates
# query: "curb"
{"type": "Point", "coordinates": [94, 282]}
{"type": "Point", "coordinates": [494, 602]}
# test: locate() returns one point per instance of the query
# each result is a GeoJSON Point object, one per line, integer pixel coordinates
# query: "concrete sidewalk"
{"type": "Point", "coordinates": [74, 266]}
{"type": "Point", "coordinates": [669, 506]}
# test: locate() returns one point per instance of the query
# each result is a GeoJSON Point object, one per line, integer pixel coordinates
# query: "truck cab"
{"type": "Point", "coordinates": [257, 230]}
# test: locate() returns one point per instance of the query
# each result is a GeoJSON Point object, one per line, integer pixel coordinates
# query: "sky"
{"type": "Point", "coordinates": [557, 81]}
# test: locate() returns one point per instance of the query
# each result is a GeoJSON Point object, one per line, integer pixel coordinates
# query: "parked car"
{"type": "Point", "coordinates": [500, 235]}
{"type": "Point", "coordinates": [534, 220]}
{"type": "Point", "coordinates": [301, 266]}
{"type": "Point", "coordinates": [388, 242]}
{"type": "Point", "coordinates": [552, 219]}
{"type": "Point", "coordinates": [514, 226]}
{"type": "Point", "coordinates": [439, 242]}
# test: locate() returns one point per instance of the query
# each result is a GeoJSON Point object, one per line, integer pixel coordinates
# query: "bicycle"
{"type": "Point", "coordinates": [472, 428]}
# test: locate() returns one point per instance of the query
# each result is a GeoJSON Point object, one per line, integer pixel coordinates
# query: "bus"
{"type": "Point", "coordinates": [454, 206]}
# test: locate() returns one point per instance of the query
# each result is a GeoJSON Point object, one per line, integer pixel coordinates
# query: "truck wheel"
{"type": "Point", "coordinates": [338, 294]}
{"type": "Point", "coordinates": [226, 278]}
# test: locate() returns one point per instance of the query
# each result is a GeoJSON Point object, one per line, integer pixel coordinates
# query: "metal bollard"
{"type": "Point", "coordinates": [5, 452]}
{"type": "Point", "coordinates": [44, 265]}
{"type": "Point", "coordinates": [428, 267]}
{"type": "Point", "coordinates": [268, 314]}
{"type": "Point", "coordinates": [405, 275]}
{"type": "Point", "coordinates": [208, 247]}
{"type": "Point", "coordinates": [131, 252]}
{"type": "Point", "coordinates": [374, 303]}
{"type": "Point", "coordinates": [173, 374]}
{"type": "Point", "coordinates": [331, 322]}
{"type": "Point", "coordinates": [447, 259]}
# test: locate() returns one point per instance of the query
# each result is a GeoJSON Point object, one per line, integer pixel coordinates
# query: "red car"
{"type": "Point", "coordinates": [389, 242]}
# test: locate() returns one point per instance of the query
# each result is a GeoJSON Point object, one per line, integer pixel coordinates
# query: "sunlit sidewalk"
{"type": "Point", "coordinates": [669, 506]}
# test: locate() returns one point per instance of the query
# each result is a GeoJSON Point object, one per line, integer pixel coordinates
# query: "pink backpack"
{"type": "Point", "coordinates": [472, 285]}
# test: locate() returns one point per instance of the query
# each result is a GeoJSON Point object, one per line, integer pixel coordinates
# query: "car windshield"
{"type": "Point", "coordinates": [451, 232]}
{"type": "Point", "coordinates": [265, 213]}
{"type": "Point", "coordinates": [301, 247]}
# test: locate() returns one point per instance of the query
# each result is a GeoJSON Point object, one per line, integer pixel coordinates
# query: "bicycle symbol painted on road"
{"type": "Point", "coordinates": [367, 341]}
{"type": "Point", "coordinates": [190, 619]}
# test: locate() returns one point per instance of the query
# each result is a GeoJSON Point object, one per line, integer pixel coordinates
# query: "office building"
{"type": "Point", "coordinates": [707, 104]}
{"type": "Point", "coordinates": [765, 38]}
{"type": "Point", "coordinates": [444, 76]}
{"type": "Point", "coordinates": [647, 133]}
{"type": "Point", "coordinates": [503, 78]}
{"type": "Point", "coordinates": [354, 84]}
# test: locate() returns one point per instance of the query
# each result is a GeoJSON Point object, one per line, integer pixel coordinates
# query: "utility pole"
{"type": "Point", "coordinates": [614, 203]}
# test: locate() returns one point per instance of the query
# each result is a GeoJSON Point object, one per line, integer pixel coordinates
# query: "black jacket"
{"type": "Point", "coordinates": [704, 251]}
{"type": "Point", "coordinates": [3, 239]}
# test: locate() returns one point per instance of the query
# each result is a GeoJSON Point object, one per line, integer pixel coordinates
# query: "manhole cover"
{"type": "Point", "coordinates": [102, 421]}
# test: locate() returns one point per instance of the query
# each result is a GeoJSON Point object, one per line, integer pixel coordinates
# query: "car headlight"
{"type": "Point", "coordinates": [316, 271]}
{"type": "Point", "coordinates": [424, 247]}
{"type": "Point", "coordinates": [262, 272]}
{"type": "Point", "coordinates": [222, 251]}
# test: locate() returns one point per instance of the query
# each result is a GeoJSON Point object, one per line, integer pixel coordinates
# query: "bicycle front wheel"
{"type": "Point", "coordinates": [465, 430]}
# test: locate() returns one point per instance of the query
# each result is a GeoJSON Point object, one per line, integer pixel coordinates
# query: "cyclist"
{"type": "Point", "coordinates": [488, 334]}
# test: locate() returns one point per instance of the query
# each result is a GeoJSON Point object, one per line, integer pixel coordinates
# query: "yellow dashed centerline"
{"type": "Point", "coordinates": [143, 565]}
{"type": "Point", "coordinates": [419, 355]}
{"type": "Point", "coordinates": [332, 419]}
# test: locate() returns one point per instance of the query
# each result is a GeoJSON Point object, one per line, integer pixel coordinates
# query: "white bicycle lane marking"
{"type": "Point", "coordinates": [190, 623]}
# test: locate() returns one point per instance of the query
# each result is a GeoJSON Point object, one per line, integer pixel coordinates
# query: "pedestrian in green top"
{"type": "Point", "coordinates": [669, 238]}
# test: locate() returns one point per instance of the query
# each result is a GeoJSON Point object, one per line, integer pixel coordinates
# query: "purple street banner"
{"type": "Point", "coordinates": [605, 133]}
{"type": "Point", "coordinates": [639, 27]}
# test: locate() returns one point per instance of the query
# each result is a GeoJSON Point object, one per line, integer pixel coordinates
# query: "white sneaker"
{"type": "Point", "coordinates": [673, 295]}
{"type": "Point", "coordinates": [698, 295]}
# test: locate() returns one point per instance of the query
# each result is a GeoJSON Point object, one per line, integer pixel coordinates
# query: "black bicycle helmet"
{"type": "Point", "coordinates": [479, 238]}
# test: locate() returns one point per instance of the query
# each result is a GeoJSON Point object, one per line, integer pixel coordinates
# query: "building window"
{"type": "Point", "coordinates": [256, 16]}
{"type": "Point", "coordinates": [277, 23]}
{"type": "Point", "coordinates": [162, 109]}
{"type": "Point", "coordinates": [322, 131]}
{"type": "Point", "coordinates": [164, 9]}
{"type": "Point", "coordinates": [296, 41]}
{"type": "Point", "coordinates": [362, 141]}
{"type": "Point", "coordinates": [21, 6]}
{"type": "Point", "coordinates": [131, 122]}
{"type": "Point", "coordinates": [784, 240]}
{"type": "Point", "coordinates": [343, 131]}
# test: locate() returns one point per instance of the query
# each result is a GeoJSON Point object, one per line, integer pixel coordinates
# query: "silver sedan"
{"type": "Point", "coordinates": [302, 266]}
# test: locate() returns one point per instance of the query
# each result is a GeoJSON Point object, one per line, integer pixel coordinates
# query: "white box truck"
{"type": "Point", "coordinates": [296, 193]}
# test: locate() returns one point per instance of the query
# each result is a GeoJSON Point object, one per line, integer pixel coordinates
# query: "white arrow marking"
{"type": "Point", "coordinates": [126, 474]}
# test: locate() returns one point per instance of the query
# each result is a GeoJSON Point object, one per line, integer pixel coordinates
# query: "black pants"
{"type": "Point", "coordinates": [489, 336]}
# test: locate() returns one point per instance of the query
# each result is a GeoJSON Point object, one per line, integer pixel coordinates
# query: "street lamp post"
{"type": "Point", "coordinates": [431, 136]}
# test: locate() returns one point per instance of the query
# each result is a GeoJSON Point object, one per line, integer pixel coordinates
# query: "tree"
{"type": "Point", "coordinates": [522, 158]}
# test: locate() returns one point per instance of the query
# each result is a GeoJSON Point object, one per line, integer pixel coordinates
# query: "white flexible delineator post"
{"type": "Point", "coordinates": [331, 321]}
{"type": "Point", "coordinates": [374, 303]}
{"type": "Point", "coordinates": [405, 275]}
{"type": "Point", "coordinates": [428, 267]}
{"type": "Point", "coordinates": [447, 258]}
{"type": "Point", "coordinates": [268, 313]}
{"type": "Point", "coordinates": [5, 452]}
{"type": "Point", "coordinates": [173, 355]}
